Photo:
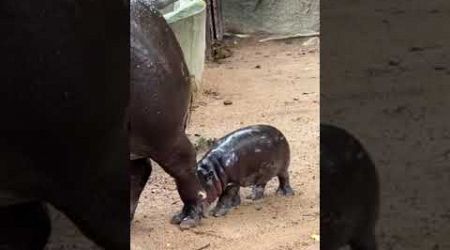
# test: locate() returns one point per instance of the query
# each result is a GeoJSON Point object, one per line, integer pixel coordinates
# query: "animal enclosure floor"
{"type": "Point", "coordinates": [273, 83]}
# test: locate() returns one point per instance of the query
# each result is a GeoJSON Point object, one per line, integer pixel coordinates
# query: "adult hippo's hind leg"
{"type": "Point", "coordinates": [178, 160]}
{"type": "Point", "coordinates": [140, 171]}
{"type": "Point", "coordinates": [229, 199]}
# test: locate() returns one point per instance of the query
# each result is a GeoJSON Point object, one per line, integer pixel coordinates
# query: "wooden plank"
{"type": "Point", "coordinates": [218, 19]}
{"type": "Point", "coordinates": [214, 25]}
{"type": "Point", "coordinates": [209, 30]}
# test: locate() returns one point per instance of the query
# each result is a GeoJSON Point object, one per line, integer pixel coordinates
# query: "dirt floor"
{"type": "Point", "coordinates": [273, 83]}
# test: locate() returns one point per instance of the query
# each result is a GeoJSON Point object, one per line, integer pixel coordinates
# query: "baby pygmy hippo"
{"type": "Point", "coordinates": [250, 156]}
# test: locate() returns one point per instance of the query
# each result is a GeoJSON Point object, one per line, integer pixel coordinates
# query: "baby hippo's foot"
{"type": "Point", "coordinates": [229, 199]}
{"type": "Point", "coordinates": [285, 191]}
{"type": "Point", "coordinates": [285, 188]}
{"type": "Point", "coordinates": [257, 192]}
{"type": "Point", "coordinates": [225, 205]}
{"type": "Point", "coordinates": [189, 217]}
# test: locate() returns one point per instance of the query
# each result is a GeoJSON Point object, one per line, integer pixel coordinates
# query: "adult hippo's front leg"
{"type": "Point", "coordinates": [177, 157]}
{"type": "Point", "coordinates": [160, 97]}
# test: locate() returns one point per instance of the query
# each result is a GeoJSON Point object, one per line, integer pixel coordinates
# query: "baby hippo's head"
{"type": "Point", "coordinates": [209, 180]}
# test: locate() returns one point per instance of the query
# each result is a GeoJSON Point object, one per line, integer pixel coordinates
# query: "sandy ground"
{"type": "Point", "coordinates": [273, 83]}
{"type": "Point", "coordinates": [392, 97]}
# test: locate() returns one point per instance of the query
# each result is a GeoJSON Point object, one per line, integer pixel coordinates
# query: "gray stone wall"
{"type": "Point", "coordinates": [278, 17]}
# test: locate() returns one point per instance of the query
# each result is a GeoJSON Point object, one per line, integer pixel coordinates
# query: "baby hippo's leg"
{"type": "Point", "coordinates": [257, 192]}
{"type": "Point", "coordinates": [284, 188]}
{"type": "Point", "coordinates": [230, 198]}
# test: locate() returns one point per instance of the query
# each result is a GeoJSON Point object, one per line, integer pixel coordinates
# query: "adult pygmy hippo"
{"type": "Point", "coordinates": [160, 97]}
{"type": "Point", "coordinates": [349, 192]}
{"type": "Point", "coordinates": [250, 156]}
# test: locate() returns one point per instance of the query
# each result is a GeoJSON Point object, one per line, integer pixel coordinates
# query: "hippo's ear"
{"type": "Point", "coordinates": [202, 171]}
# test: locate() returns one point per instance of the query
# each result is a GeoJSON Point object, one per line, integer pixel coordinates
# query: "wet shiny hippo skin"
{"type": "Point", "coordinates": [250, 156]}
{"type": "Point", "coordinates": [63, 98]}
{"type": "Point", "coordinates": [160, 97]}
{"type": "Point", "coordinates": [349, 192]}
{"type": "Point", "coordinates": [27, 224]}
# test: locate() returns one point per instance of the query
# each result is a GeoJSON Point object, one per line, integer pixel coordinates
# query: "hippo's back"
{"type": "Point", "coordinates": [253, 154]}
{"type": "Point", "coordinates": [160, 80]}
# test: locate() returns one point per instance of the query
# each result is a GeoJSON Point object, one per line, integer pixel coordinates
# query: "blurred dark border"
{"type": "Point", "coordinates": [385, 78]}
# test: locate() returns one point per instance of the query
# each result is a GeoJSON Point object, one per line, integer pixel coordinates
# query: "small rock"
{"type": "Point", "coordinates": [416, 49]}
{"type": "Point", "coordinates": [257, 66]}
{"type": "Point", "coordinates": [258, 207]}
{"type": "Point", "coordinates": [295, 99]}
{"type": "Point", "coordinates": [439, 68]}
{"type": "Point", "coordinates": [394, 62]}
{"type": "Point", "coordinates": [227, 102]}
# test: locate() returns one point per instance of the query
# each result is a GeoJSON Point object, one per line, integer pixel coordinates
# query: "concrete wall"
{"type": "Point", "coordinates": [187, 20]}
{"type": "Point", "coordinates": [279, 17]}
